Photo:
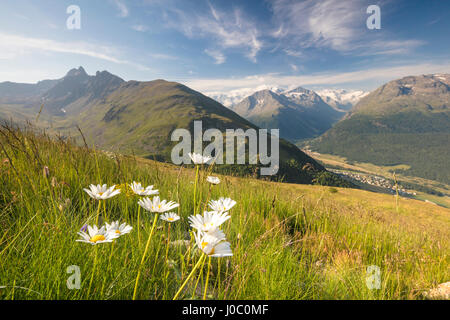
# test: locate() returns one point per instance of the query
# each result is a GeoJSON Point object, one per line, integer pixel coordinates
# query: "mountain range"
{"type": "Point", "coordinates": [341, 99]}
{"type": "Point", "coordinates": [403, 122]}
{"type": "Point", "coordinates": [133, 117]}
{"type": "Point", "coordinates": [298, 113]}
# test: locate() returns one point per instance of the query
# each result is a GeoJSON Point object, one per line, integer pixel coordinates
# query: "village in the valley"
{"type": "Point", "coordinates": [373, 181]}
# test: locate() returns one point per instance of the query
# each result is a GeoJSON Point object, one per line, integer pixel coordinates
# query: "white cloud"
{"type": "Point", "coordinates": [378, 75]}
{"type": "Point", "coordinates": [123, 9]}
{"type": "Point", "coordinates": [330, 23]}
{"type": "Point", "coordinates": [228, 30]}
{"type": "Point", "coordinates": [293, 53]}
{"type": "Point", "coordinates": [218, 56]}
{"type": "Point", "coordinates": [391, 47]}
{"type": "Point", "coordinates": [336, 24]}
{"type": "Point", "coordinates": [12, 46]}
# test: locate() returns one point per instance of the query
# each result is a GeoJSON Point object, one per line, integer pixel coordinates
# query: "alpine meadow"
{"type": "Point", "coordinates": [224, 159]}
{"type": "Point", "coordinates": [315, 240]}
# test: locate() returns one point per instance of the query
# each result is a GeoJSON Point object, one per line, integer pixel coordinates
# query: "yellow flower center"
{"type": "Point", "coordinates": [204, 244]}
{"type": "Point", "coordinates": [118, 231]}
{"type": "Point", "coordinates": [100, 194]}
{"type": "Point", "coordinates": [170, 219]}
{"type": "Point", "coordinates": [98, 237]}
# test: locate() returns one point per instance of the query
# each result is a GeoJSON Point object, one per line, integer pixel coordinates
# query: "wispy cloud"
{"type": "Point", "coordinates": [294, 27]}
{"type": "Point", "coordinates": [226, 29]}
{"type": "Point", "coordinates": [378, 75]}
{"type": "Point", "coordinates": [218, 56]}
{"type": "Point", "coordinates": [329, 23]}
{"type": "Point", "coordinates": [123, 9]}
{"type": "Point", "coordinates": [12, 46]}
{"type": "Point", "coordinates": [391, 47]}
{"type": "Point", "coordinates": [335, 24]}
{"type": "Point", "coordinates": [293, 67]}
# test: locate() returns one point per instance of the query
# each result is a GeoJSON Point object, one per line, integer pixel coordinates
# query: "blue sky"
{"type": "Point", "coordinates": [218, 46]}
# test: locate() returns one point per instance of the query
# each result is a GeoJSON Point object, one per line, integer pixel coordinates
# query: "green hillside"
{"type": "Point", "coordinates": [406, 121]}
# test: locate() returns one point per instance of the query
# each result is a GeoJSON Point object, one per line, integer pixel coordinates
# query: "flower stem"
{"type": "Point", "coordinates": [93, 270]}
{"type": "Point", "coordinates": [107, 268]}
{"type": "Point", "coordinates": [168, 242]}
{"type": "Point", "coordinates": [207, 278]}
{"type": "Point", "coordinates": [217, 282]}
{"type": "Point", "coordinates": [195, 189]}
{"type": "Point", "coordinates": [104, 209]}
{"type": "Point", "coordinates": [199, 276]}
{"type": "Point", "coordinates": [207, 197]}
{"type": "Point", "coordinates": [189, 276]}
{"type": "Point", "coordinates": [98, 210]}
{"type": "Point", "coordinates": [139, 224]}
{"type": "Point", "coordinates": [143, 256]}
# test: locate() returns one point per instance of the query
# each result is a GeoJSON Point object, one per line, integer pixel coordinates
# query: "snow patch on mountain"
{"type": "Point", "coordinates": [228, 99]}
{"type": "Point", "coordinates": [341, 98]}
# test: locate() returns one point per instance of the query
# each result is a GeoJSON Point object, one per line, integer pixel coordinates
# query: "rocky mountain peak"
{"type": "Point", "coordinates": [77, 72]}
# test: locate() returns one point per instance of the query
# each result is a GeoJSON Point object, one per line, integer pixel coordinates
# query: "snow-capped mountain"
{"type": "Point", "coordinates": [298, 113]}
{"type": "Point", "coordinates": [341, 99]}
{"type": "Point", "coordinates": [302, 96]}
{"type": "Point", "coordinates": [233, 97]}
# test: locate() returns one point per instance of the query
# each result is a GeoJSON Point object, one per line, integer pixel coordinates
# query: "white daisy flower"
{"type": "Point", "coordinates": [222, 205]}
{"type": "Point", "coordinates": [209, 222]}
{"type": "Point", "coordinates": [95, 235]}
{"type": "Point", "coordinates": [156, 205]}
{"type": "Point", "coordinates": [101, 192]}
{"type": "Point", "coordinates": [198, 158]}
{"type": "Point", "coordinates": [117, 228]}
{"type": "Point", "coordinates": [170, 217]}
{"type": "Point", "coordinates": [140, 190]}
{"type": "Point", "coordinates": [213, 244]}
{"type": "Point", "coordinates": [213, 180]}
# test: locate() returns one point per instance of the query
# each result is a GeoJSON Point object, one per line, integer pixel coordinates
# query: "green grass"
{"type": "Point", "coordinates": [289, 241]}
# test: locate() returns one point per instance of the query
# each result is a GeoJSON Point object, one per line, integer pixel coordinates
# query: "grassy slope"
{"type": "Point", "coordinates": [289, 241]}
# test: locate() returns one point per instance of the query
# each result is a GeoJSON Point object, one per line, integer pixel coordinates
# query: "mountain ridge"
{"type": "Point", "coordinates": [299, 113]}
{"type": "Point", "coordinates": [135, 117]}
